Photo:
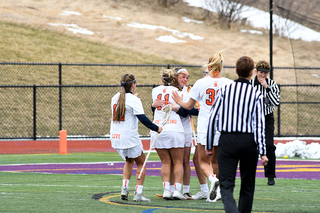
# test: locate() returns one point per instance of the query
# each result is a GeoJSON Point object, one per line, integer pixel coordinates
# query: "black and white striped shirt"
{"type": "Point", "coordinates": [238, 107]}
{"type": "Point", "coordinates": [271, 94]}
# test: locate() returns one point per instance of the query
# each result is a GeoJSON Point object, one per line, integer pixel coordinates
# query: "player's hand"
{"type": "Point", "coordinates": [158, 103]}
{"type": "Point", "coordinates": [174, 107]}
{"type": "Point", "coordinates": [264, 160]}
{"type": "Point", "coordinates": [160, 129]}
{"type": "Point", "coordinates": [176, 97]}
{"type": "Point", "coordinates": [136, 94]}
{"type": "Point", "coordinates": [209, 152]}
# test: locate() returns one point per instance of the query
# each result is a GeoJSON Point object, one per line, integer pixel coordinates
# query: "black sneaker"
{"type": "Point", "coordinates": [271, 181]}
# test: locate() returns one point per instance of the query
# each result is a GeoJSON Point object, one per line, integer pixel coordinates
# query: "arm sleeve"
{"type": "Point", "coordinates": [184, 112]}
{"type": "Point", "coordinates": [193, 111]}
{"type": "Point", "coordinates": [273, 93]}
{"type": "Point", "coordinates": [146, 121]}
{"type": "Point", "coordinates": [153, 109]}
{"type": "Point", "coordinates": [259, 127]}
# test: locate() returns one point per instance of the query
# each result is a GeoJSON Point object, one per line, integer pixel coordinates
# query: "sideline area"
{"type": "Point", "coordinates": [94, 145]}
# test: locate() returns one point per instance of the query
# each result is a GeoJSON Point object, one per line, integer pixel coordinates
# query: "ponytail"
{"type": "Point", "coordinates": [126, 82]}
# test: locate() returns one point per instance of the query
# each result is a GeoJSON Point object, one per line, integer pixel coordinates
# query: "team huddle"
{"type": "Point", "coordinates": [172, 137]}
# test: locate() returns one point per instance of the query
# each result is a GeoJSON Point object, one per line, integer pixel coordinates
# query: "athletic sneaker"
{"type": "Point", "coordinates": [187, 196]}
{"type": "Point", "coordinates": [124, 193]}
{"type": "Point", "coordinates": [177, 195]}
{"type": "Point", "coordinates": [213, 188]}
{"type": "Point", "coordinates": [218, 197]}
{"type": "Point", "coordinates": [139, 197]}
{"type": "Point", "coordinates": [200, 195]}
{"type": "Point", "coordinates": [167, 194]}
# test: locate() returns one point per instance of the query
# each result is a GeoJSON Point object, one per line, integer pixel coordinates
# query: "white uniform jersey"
{"type": "Point", "coordinates": [124, 134]}
{"type": "Point", "coordinates": [204, 91]}
{"type": "Point", "coordinates": [186, 122]}
{"type": "Point", "coordinates": [165, 93]}
{"type": "Point", "coordinates": [172, 135]}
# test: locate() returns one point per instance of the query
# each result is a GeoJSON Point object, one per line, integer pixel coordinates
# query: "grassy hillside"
{"type": "Point", "coordinates": [23, 43]}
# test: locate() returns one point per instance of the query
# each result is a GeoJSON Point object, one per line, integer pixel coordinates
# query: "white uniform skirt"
{"type": "Point", "coordinates": [132, 152]}
{"type": "Point", "coordinates": [188, 139]}
{"type": "Point", "coordinates": [168, 140]}
{"type": "Point", "coordinates": [202, 138]}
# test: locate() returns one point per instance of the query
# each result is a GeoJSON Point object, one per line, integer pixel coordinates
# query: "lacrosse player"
{"type": "Point", "coordinates": [204, 91]}
{"type": "Point", "coordinates": [170, 143]}
{"type": "Point", "coordinates": [126, 110]}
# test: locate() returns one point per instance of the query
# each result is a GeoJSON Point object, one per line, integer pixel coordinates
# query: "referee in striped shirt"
{"type": "Point", "coordinates": [238, 113]}
{"type": "Point", "coordinates": [271, 95]}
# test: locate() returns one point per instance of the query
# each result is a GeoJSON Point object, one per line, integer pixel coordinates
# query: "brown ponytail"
{"type": "Point", "coordinates": [126, 82]}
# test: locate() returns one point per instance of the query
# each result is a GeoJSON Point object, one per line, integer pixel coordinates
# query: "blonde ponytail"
{"type": "Point", "coordinates": [215, 62]}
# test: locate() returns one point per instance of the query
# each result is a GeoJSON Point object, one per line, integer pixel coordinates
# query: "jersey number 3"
{"type": "Point", "coordinates": [210, 99]}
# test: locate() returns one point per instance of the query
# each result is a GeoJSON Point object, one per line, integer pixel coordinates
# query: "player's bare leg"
{"type": "Point", "coordinates": [186, 172]}
{"type": "Point", "coordinates": [203, 194]}
{"type": "Point", "coordinates": [214, 161]}
{"type": "Point", "coordinates": [126, 175]}
{"type": "Point", "coordinates": [166, 161]}
{"type": "Point", "coordinates": [138, 195]}
{"type": "Point", "coordinates": [206, 166]}
{"type": "Point", "coordinates": [177, 160]}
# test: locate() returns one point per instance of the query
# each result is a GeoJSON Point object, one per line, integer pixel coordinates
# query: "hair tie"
{"type": "Point", "coordinates": [123, 83]}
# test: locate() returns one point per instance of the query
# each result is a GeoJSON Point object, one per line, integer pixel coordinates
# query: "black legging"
{"type": "Point", "coordinates": [234, 148]}
{"type": "Point", "coordinates": [270, 168]}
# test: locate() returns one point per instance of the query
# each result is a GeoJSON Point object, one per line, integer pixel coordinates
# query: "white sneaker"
{"type": "Point", "coordinates": [200, 195]}
{"type": "Point", "coordinates": [177, 195]}
{"type": "Point", "coordinates": [124, 194]}
{"type": "Point", "coordinates": [167, 194]}
{"type": "Point", "coordinates": [139, 197]}
{"type": "Point", "coordinates": [218, 197]}
{"type": "Point", "coordinates": [213, 188]}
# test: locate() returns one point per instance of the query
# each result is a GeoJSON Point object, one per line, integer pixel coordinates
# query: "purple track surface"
{"type": "Point", "coordinates": [290, 169]}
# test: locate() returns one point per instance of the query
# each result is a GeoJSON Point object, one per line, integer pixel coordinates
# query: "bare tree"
{"type": "Point", "coordinates": [228, 11]}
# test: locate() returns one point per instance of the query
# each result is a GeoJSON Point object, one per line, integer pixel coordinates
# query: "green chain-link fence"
{"type": "Point", "coordinates": [37, 100]}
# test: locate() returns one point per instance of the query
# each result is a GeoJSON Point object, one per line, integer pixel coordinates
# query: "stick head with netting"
{"type": "Point", "coordinates": [166, 109]}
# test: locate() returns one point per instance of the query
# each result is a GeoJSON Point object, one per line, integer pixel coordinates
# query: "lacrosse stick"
{"type": "Point", "coordinates": [166, 115]}
{"type": "Point", "coordinates": [193, 134]}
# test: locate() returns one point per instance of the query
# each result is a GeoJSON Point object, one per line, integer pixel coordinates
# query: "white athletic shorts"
{"type": "Point", "coordinates": [132, 152]}
{"type": "Point", "coordinates": [168, 140]}
{"type": "Point", "coordinates": [202, 138]}
{"type": "Point", "coordinates": [188, 139]}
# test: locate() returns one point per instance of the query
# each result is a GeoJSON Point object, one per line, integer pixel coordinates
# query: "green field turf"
{"type": "Point", "coordinates": [37, 192]}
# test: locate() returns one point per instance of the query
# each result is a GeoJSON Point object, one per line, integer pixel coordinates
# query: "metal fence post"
{"type": "Point", "coordinates": [60, 96]}
{"type": "Point", "coordinates": [34, 112]}
{"type": "Point", "coordinates": [279, 113]}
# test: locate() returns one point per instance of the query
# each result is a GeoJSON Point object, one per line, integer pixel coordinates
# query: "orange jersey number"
{"type": "Point", "coordinates": [114, 112]}
{"type": "Point", "coordinates": [166, 98]}
{"type": "Point", "coordinates": [210, 99]}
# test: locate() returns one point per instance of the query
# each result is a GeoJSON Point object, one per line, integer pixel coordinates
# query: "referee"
{"type": "Point", "coordinates": [238, 113]}
{"type": "Point", "coordinates": [271, 95]}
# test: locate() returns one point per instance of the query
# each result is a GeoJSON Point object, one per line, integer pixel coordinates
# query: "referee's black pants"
{"type": "Point", "coordinates": [270, 168]}
{"type": "Point", "coordinates": [235, 147]}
